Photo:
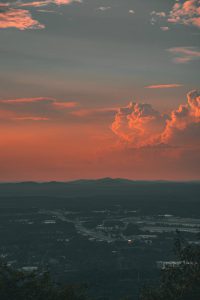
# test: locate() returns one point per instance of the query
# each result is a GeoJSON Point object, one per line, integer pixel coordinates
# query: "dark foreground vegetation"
{"type": "Point", "coordinates": [178, 282]}
{"type": "Point", "coordinates": [18, 285]}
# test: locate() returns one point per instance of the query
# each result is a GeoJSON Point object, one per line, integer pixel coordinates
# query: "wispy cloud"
{"type": "Point", "coordinates": [51, 101]}
{"type": "Point", "coordinates": [164, 86]}
{"type": "Point", "coordinates": [36, 109]}
{"type": "Point", "coordinates": [184, 54]}
{"type": "Point", "coordinates": [31, 118]}
{"type": "Point", "coordinates": [164, 28]}
{"type": "Point", "coordinates": [95, 112]}
{"type": "Point", "coordinates": [155, 16]}
{"type": "Point", "coordinates": [27, 100]}
{"type": "Point", "coordinates": [47, 2]}
{"type": "Point", "coordinates": [61, 105]}
{"type": "Point", "coordinates": [104, 8]}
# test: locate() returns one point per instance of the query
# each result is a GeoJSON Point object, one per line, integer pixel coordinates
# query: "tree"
{"type": "Point", "coordinates": [180, 282]}
{"type": "Point", "coordinates": [18, 285]}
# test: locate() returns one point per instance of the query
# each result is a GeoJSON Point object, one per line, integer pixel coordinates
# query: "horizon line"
{"type": "Point", "coordinates": [101, 179]}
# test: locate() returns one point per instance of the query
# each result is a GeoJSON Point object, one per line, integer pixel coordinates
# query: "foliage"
{"type": "Point", "coordinates": [18, 285]}
{"type": "Point", "coordinates": [180, 282]}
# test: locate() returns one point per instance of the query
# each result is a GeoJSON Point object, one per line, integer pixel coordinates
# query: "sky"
{"type": "Point", "coordinates": [99, 88]}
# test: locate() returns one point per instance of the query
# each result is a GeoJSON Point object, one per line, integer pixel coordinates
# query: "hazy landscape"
{"type": "Point", "coordinates": [113, 234]}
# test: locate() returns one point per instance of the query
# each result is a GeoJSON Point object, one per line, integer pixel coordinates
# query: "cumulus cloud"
{"type": "Point", "coordinates": [187, 13]}
{"type": "Point", "coordinates": [140, 125]}
{"type": "Point", "coordinates": [185, 121]}
{"type": "Point", "coordinates": [184, 54]}
{"type": "Point", "coordinates": [182, 12]}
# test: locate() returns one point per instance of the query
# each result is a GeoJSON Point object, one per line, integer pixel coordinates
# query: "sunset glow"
{"type": "Point", "coordinates": [92, 90]}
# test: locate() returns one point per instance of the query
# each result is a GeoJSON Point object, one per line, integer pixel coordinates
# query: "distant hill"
{"type": "Point", "coordinates": [147, 197]}
{"type": "Point", "coordinates": [89, 187]}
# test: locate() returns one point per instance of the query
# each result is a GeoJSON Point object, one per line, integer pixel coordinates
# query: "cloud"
{"type": "Point", "coordinates": [95, 112]}
{"type": "Point", "coordinates": [66, 2]}
{"type": "Point", "coordinates": [27, 100]}
{"type": "Point", "coordinates": [164, 86]}
{"type": "Point", "coordinates": [51, 101]}
{"type": "Point", "coordinates": [187, 13]}
{"type": "Point", "coordinates": [155, 16]}
{"type": "Point", "coordinates": [34, 3]}
{"type": "Point", "coordinates": [104, 8]}
{"type": "Point", "coordinates": [184, 54]}
{"type": "Point", "coordinates": [47, 2]}
{"type": "Point", "coordinates": [160, 14]}
{"type": "Point", "coordinates": [164, 28]}
{"type": "Point", "coordinates": [31, 118]}
{"type": "Point", "coordinates": [183, 12]}
{"type": "Point", "coordinates": [12, 14]}
{"type": "Point", "coordinates": [18, 18]}
{"type": "Point", "coordinates": [63, 105]}
{"type": "Point", "coordinates": [2, 5]}
{"type": "Point", "coordinates": [184, 123]}
{"type": "Point", "coordinates": [37, 109]}
{"type": "Point", "coordinates": [139, 125]}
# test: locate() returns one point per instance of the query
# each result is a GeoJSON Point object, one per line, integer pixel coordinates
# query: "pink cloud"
{"type": "Point", "coordinates": [4, 4]}
{"type": "Point", "coordinates": [39, 108]}
{"type": "Point", "coordinates": [139, 125]}
{"type": "Point", "coordinates": [47, 2]}
{"type": "Point", "coordinates": [18, 18]}
{"type": "Point", "coordinates": [51, 101]}
{"type": "Point", "coordinates": [164, 86]}
{"type": "Point", "coordinates": [27, 100]}
{"type": "Point", "coordinates": [65, 2]}
{"type": "Point", "coordinates": [13, 16]}
{"type": "Point", "coordinates": [184, 54]}
{"type": "Point", "coordinates": [164, 28]}
{"type": "Point", "coordinates": [94, 112]}
{"type": "Point", "coordinates": [187, 13]}
{"type": "Point", "coordinates": [34, 3]}
{"type": "Point", "coordinates": [61, 105]}
{"type": "Point", "coordinates": [184, 120]}
{"type": "Point", "coordinates": [31, 118]}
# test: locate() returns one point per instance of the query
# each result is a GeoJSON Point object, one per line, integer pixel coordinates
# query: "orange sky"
{"type": "Point", "coordinates": [40, 141]}
{"type": "Point", "coordinates": [91, 90]}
